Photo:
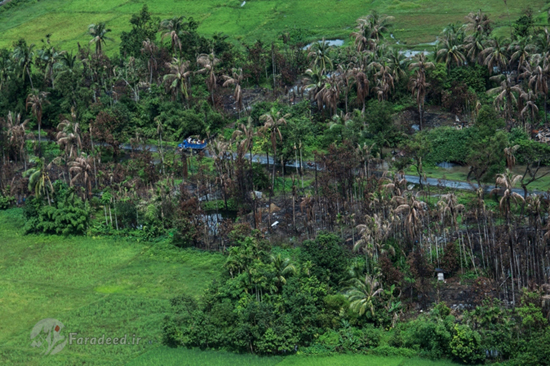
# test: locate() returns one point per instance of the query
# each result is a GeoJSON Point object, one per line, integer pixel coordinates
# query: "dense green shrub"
{"type": "Point", "coordinates": [66, 215]}
{"type": "Point", "coordinates": [466, 345]}
{"type": "Point", "coordinates": [328, 257]}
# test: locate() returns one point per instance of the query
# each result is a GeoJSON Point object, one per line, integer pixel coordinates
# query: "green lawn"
{"type": "Point", "coordinates": [416, 21]}
{"type": "Point", "coordinates": [94, 286]}
{"type": "Point", "coordinates": [165, 356]}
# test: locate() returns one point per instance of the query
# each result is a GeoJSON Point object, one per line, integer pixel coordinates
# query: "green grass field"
{"type": "Point", "coordinates": [416, 21]}
{"type": "Point", "coordinates": [94, 286]}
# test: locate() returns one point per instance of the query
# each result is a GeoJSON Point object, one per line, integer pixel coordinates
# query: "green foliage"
{"type": "Point", "coordinates": [466, 345]}
{"type": "Point", "coordinates": [328, 258]}
{"type": "Point", "coordinates": [449, 145]}
{"type": "Point", "coordinates": [66, 215]}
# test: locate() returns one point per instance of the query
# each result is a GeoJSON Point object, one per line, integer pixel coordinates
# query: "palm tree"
{"type": "Point", "coordinates": [506, 98]}
{"type": "Point", "coordinates": [495, 55]}
{"type": "Point", "coordinates": [314, 82]}
{"type": "Point", "coordinates": [283, 268]}
{"type": "Point", "coordinates": [36, 100]}
{"type": "Point", "coordinates": [173, 28]}
{"type": "Point", "coordinates": [504, 184]}
{"type": "Point", "coordinates": [177, 80]}
{"type": "Point", "coordinates": [318, 52]}
{"type": "Point", "coordinates": [23, 55]}
{"type": "Point", "coordinates": [99, 35]}
{"type": "Point", "coordinates": [17, 133]}
{"type": "Point", "coordinates": [82, 168]}
{"type": "Point", "coordinates": [538, 73]}
{"type": "Point", "coordinates": [68, 137]}
{"type": "Point", "coordinates": [384, 79]}
{"type": "Point", "coordinates": [413, 209]}
{"type": "Point", "coordinates": [530, 106]}
{"type": "Point", "coordinates": [150, 49]}
{"type": "Point", "coordinates": [370, 30]}
{"type": "Point", "coordinates": [346, 75]}
{"type": "Point", "coordinates": [362, 83]}
{"type": "Point", "coordinates": [39, 179]}
{"type": "Point", "coordinates": [478, 23]}
{"type": "Point", "coordinates": [330, 93]}
{"type": "Point", "coordinates": [208, 63]}
{"type": "Point", "coordinates": [362, 294]}
{"type": "Point", "coordinates": [451, 52]}
{"type": "Point", "coordinates": [419, 84]}
{"type": "Point", "coordinates": [235, 80]}
{"type": "Point", "coordinates": [273, 122]}
{"type": "Point", "coordinates": [522, 50]}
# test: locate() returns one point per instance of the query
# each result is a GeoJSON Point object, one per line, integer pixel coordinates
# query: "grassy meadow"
{"type": "Point", "coordinates": [416, 21]}
{"type": "Point", "coordinates": [94, 286]}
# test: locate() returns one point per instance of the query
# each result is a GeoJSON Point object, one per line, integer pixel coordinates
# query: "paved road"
{"type": "Point", "coordinates": [262, 159]}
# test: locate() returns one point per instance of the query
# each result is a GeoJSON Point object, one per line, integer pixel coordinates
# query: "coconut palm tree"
{"type": "Point", "coordinates": [68, 137]}
{"type": "Point", "coordinates": [362, 294]}
{"type": "Point", "coordinates": [177, 80]}
{"type": "Point", "coordinates": [319, 54]}
{"type": "Point", "coordinates": [478, 23]}
{"type": "Point", "coordinates": [36, 100]}
{"type": "Point", "coordinates": [521, 49]}
{"type": "Point", "coordinates": [537, 72]}
{"type": "Point", "coordinates": [149, 49]}
{"type": "Point", "coordinates": [418, 84]}
{"type": "Point", "coordinates": [505, 95]}
{"type": "Point", "coordinates": [504, 184]}
{"type": "Point", "coordinates": [208, 63]}
{"type": "Point", "coordinates": [17, 134]}
{"type": "Point", "coordinates": [370, 30]}
{"type": "Point", "coordinates": [330, 93]}
{"type": "Point", "coordinates": [413, 210]}
{"type": "Point", "coordinates": [530, 108]}
{"type": "Point", "coordinates": [449, 207]}
{"type": "Point", "coordinates": [273, 122]}
{"type": "Point", "coordinates": [23, 56]}
{"type": "Point", "coordinates": [174, 29]}
{"type": "Point", "coordinates": [384, 79]}
{"type": "Point", "coordinates": [314, 82]}
{"type": "Point", "coordinates": [39, 179]}
{"type": "Point", "coordinates": [283, 268]}
{"type": "Point", "coordinates": [451, 52]}
{"type": "Point", "coordinates": [496, 54]}
{"type": "Point", "coordinates": [346, 78]}
{"type": "Point", "coordinates": [235, 80]}
{"type": "Point", "coordinates": [362, 83]}
{"type": "Point", "coordinates": [81, 167]}
{"type": "Point", "coordinates": [99, 35]}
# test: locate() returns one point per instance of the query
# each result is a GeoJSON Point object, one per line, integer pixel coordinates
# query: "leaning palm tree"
{"type": "Point", "coordinates": [39, 179]}
{"type": "Point", "coordinates": [36, 100]}
{"type": "Point", "coordinates": [99, 35]}
{"type": "Point", "coordinates": [235, 80]}
{"type": "Point", "coordinates": [362, 294]}
{"type": "Point", "coordinates": [177, 80]}
{"type": "Point", "coordinates": [478, 23]}
{"type": "Point", "coordinates": [208, 63]}
{"type": "Point", "coordinates": [81, 167]}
